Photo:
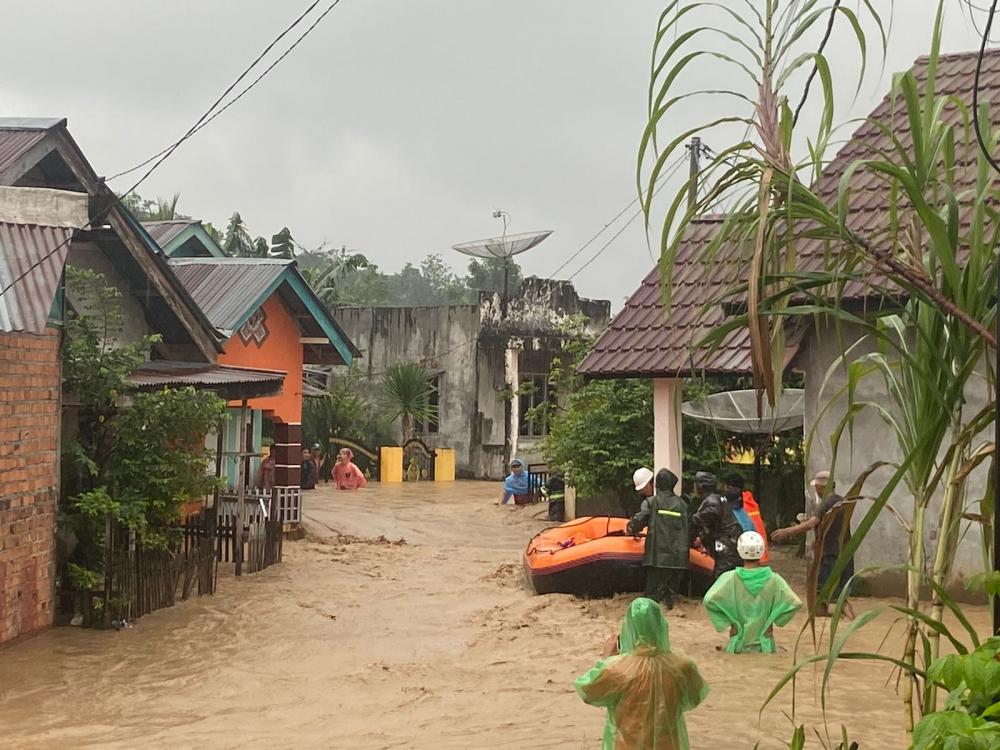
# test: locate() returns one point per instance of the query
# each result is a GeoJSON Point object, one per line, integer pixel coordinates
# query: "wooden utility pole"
{"type": "Point", "coordinates": [695, 169]}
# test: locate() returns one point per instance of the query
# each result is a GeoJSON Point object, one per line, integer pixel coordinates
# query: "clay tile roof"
{"type": "Point", "coordinates": [644, 340]}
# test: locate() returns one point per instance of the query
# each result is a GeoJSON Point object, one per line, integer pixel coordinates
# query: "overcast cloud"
{"type": "Point", "coordinates": [396, 127]}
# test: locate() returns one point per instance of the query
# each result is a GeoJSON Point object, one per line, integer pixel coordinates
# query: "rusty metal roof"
{"type": "Point", "coordinates": [18, 134]}
{"type": "Point", "coordinates": [644, 340]}
{"type": "Point", "coordinates": [31, 264]}
{"type": "Point", "coordinates": [229, 381]}
{"type": "Point", "coordinates": [164, 231]}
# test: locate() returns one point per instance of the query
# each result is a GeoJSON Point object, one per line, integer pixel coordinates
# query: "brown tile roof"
{"type": "Point", "coordinates": [643, 341]}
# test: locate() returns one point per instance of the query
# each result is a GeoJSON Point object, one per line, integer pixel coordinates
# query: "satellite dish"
{"type": "Point", "coordinates": [502, 247]}
{"type": "Point", "coordinates": [736, 411]}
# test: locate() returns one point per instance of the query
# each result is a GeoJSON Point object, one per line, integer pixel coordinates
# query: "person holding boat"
{"type": "Point", "coordinates": [715, 524]}
{"type": "Point", "coordinates": [645, 687]}
{"type": "Point", "coordinates": [665, 516]}
{"type": "Point", "coordinates": [751, 600]}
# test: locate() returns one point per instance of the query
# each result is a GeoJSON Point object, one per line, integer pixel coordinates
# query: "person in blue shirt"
{"type": "Point", "coordinates": [516, 485]}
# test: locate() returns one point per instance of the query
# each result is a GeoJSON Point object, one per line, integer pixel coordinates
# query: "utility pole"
{"type": "Point", "coordinates": [695, 149]}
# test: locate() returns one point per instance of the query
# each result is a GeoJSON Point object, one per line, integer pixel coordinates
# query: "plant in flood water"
{"type": "Point", "coordinates": [135, 457]}
{"type": "Point", "coordinates": [929, 257]}
{"type": "Point", "coordinates": [406, 395]}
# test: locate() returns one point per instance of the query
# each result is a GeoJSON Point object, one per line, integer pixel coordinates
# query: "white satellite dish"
{"type": "Point", "coordinates": [736, 411]}
{"type": "Point", "coordinates": [502, 247]}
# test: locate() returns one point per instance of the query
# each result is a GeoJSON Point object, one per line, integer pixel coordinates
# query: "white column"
{"type": "Point", "coordinates": [668, 451]}
{"type": "Point", "coordinates": [512, 379]}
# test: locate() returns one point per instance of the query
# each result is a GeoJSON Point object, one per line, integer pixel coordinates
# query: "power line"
{"type": "Point", "coordinates": [603, 229]}
{"type": "Point", "coordinates": [202, 121]}
{"type": "Point", "coordinates": [166, 153]}
{"type": "Point", "coordinates": [635, 216]}
{"type": "Point", "coordinates": [975, 90]}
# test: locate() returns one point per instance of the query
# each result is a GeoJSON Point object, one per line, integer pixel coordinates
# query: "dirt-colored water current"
{"type": "Point", "coordinates": [358, 642]}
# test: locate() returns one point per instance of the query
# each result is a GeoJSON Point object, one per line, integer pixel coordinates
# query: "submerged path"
{"type": "Point", "coordinates": [360, 641]}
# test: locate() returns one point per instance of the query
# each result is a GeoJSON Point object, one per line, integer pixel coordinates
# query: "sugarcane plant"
{"type": "Point", "coordinates": [930, 262]}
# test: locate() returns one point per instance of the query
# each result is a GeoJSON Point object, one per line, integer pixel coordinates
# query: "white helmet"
{"type": "Point", "coordinates": [641, 478]}
{"type": "Point", "coordinates": [750, 545]}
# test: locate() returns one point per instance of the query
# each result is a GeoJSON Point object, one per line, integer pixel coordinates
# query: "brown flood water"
{"type": "Point", "coordinates": [436, 643]}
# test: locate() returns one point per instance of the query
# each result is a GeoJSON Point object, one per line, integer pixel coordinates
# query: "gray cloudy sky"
{"type": "Point", "coordinates": [397, 126]}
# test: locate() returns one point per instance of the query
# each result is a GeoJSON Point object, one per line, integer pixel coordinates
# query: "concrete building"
{"type": "Point", "coordinates": [489, 370]}
{"type": "Point", "coordinates": [645, 340]}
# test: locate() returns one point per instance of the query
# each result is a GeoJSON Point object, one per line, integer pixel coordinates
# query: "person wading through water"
{"type": "Point", "coordinates": [741, 501]}
{"type": "Point", "coordinates": [645, 687]}
{"type": "Point", "coordinates": [716, 525]}
{"type": "Point", "coordinates": [666, 554]}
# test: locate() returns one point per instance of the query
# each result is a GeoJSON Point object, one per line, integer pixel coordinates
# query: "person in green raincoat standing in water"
{"type": "Point", "coordinates": [665, 558]}
{"type": "Point", "coordinates": [751, 600]}
{"type": "Point", "coordinates": [645, 687]}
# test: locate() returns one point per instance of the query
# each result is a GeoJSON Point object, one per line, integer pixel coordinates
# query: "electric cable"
{"type": "Point", "coordinates": [166, 153]}
{"type": "Point", "coordinates": [975, 90]}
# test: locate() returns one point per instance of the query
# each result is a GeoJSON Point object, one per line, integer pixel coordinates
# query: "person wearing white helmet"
{"type": "Point", "coordinates": [643, 481]}
{"type": "Point", "coordinates": [751, 600]}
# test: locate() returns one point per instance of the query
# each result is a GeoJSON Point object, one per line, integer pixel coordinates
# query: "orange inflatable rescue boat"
{"type": "Point", "coordinates": [596, 556]}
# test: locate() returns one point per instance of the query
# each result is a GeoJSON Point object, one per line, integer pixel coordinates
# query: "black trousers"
{"type": "Point", "coordinates": [662, 584]}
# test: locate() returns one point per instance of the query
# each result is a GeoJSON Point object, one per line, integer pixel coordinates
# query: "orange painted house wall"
{"type": "Point", "coordinates": [281, 350]}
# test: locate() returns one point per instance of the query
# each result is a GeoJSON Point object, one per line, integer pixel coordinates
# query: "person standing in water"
{"type": "Point", "coordinates": [741, 501]}
{"type": "Point", "coordinates": [666, 553]}
{"type": "Point", "coordinates": [715, 524]}
{"type": "Point", "coordinates": [308, 473]}
{"type": "Point", "coordinates": [645, 687]}
{"type": "Point", "coordinates": [346, 475]}
{"type": "Point", "coordinates": [751, 601]}
{"type": "Point", "coordinates": [516, 486]}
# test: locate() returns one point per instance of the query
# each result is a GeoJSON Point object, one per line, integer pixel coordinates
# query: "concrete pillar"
{"type": "Point", "coordinates": [668, 450]}
{"type": "Point", "coordinates": [512, 381]}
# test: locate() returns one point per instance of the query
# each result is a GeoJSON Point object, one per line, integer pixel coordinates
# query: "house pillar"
{"type": "Point", "coordinates": [668, 448]}
{"type": "Point", "coordinates": [512, 405]}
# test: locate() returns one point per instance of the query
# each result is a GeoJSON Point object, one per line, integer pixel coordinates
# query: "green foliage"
{"type": "Point", "coordinates": [136, 457]}
{"type": "Point", "coordinates": [162, 209]}
{"type": "Point", "coordinates": [83, 579]}
{"type": "Point", "coordinates": [969, 720]}
{"type": "Point", "coordinates": [345, 411]}
{"type": "Point", "coordinates": [406, 394]}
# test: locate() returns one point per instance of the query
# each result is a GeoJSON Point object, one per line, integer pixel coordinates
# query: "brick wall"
{"type": "Point", "coordinates": [29, 475]}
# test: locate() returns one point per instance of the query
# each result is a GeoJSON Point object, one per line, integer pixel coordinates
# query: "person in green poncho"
{"type": "Point", "coordinates": [751, 600]}
{"type": "Point", "coordinates": [665, 556]}
{"type": "Point", "coordinates": [645, 687]}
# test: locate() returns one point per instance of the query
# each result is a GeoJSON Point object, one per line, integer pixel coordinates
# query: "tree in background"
{"type": "Point", "coordinates": [486, 275]}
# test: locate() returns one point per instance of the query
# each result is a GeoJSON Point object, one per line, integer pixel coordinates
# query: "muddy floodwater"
{"type": "Point", "coordinates": [359, 640]}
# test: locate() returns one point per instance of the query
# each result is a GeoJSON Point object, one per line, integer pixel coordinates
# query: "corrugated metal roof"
{"type": "Point", "coordinates": [644, 341]}
{"type": "Point", "coordinates": [224, 288]}
{"type": "Point", "coordinates": [39, 253]}
{"type": "Point", "coordinates": [232, 381]}
{"type": "Point", "coordinates": [165, 231]}
{"type": "Point", "coordinates": [13, 143]}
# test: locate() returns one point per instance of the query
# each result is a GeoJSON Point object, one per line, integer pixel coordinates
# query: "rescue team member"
{"type": "Point", "coordinates": [751, 601]}
{"type": "Point", "coordinates": [746, 510]}
{"type": "Point", "coordinates": [645, 687]}
{"type": "Point", "coordinates": [715, 524]}
{"type": "Point", "coordinates": [667, 540]}
{"type": "Point", "coordinates": [554, 492]}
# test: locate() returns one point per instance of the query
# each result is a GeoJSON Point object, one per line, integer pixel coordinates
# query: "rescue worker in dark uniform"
{"type": "Point", "coordinates": [716, 525]}
{"type": "Point", "coordinates": [554, 492]}
{"type": "Point", "coordinates": [666, 554]}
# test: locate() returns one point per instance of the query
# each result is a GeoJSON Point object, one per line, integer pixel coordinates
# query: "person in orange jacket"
{"type": "Point", "coordinates": [746, 510]}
